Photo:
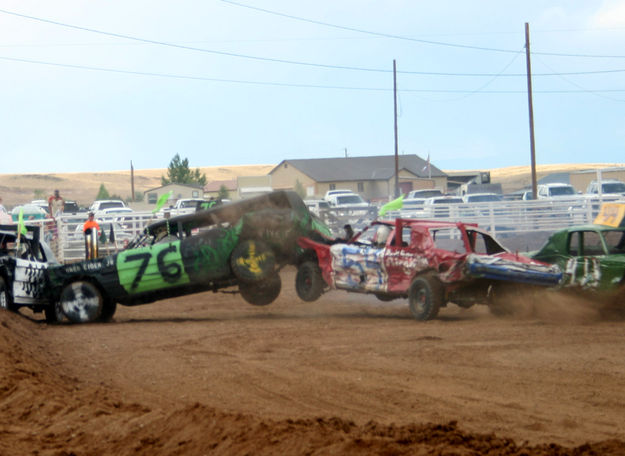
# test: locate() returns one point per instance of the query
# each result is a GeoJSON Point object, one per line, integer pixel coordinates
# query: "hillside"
{"type": "Point", "coordinates": [83, 187]}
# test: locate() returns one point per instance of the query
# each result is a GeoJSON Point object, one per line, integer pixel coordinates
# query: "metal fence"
{"type": "Point", "coordinates": [520, 225]}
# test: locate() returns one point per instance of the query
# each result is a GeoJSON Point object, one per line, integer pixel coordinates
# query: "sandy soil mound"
{"type": "Point", "coordinates": [208, 374]}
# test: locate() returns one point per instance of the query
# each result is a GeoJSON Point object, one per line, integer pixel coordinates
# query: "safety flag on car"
{"type": "Point", "coordinates": [21, 228]}
{"type": "Point", "coordinates": [394, 205]}
{"type": "Point", "coordinates": [112, 234]}
{"type": "Point", "coordinates": [162, 200]}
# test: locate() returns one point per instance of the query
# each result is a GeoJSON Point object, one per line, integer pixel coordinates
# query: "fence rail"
{"type": "Point", "coordinates": [520, 224]}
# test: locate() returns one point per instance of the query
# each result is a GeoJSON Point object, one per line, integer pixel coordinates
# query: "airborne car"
{"type": "Point", "coordinates": [242, 243]}
{"type": "Point", "coordinates": [429, 262]}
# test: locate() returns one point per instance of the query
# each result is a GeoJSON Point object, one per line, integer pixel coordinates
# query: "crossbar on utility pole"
{"type": "Point", "coordinates": [396, 147]}
{"type": "Point", "coordinates": [531, 109]}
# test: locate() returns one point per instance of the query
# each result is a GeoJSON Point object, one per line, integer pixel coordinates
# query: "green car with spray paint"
{"type": "Point", "coordinates": [243, 243]}
{"type": "Point", "coordinates": [590, 257]}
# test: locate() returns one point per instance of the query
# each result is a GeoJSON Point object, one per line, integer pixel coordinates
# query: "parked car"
{"type": "Point", "coordinates": [348, 200]}
{"type": "Point", "coordinates": [317, 206]}
{"type": "Point", "coordinates": [555, 190]}
{"type": "Point", "coordinates": [71, 207]}
{"type": "Point", "coordinates": [331, 193]}
{"type": "Point", "coordinates": [423, 193]}
{"type": "Point", "coordinates": [22, 270]}
{"type": "Point", "coordinates": [29, 212]}
{"type": "Point", "coordinates": [99, 205]}
{"type": "Point", "coordinates": [590, 256]}
{"type": "Point", "coordinates": [482, 197]}
{"type": "Point", "coordinates": [606, 187]}
{"type": "Point", "coordinates": [430, 263]}
{"type": "Point", "coordinates": [439, 206]}
{"type": "Point", "coordinates": [244, 243]}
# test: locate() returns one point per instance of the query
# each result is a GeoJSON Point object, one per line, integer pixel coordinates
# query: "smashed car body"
{"type": "Point", "coordinates": [429, 262]}
{"type": "Point", "coordinates": [244, 243]}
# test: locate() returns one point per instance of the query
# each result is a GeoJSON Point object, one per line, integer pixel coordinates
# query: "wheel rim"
{"type": "Point", "coordinates": [4, 300]}
{"type": "Point", "coordinates": [420, 300]}
{"type": "Point", "coordinates": [79, 303]}
{"type": "Point", "coordinates": [306, 282]}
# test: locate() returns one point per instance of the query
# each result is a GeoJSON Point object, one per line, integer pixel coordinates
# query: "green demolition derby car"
{"type": "Point", "coordinates": [590, 257]}
{"type": "Point", "coordinates": [242, 243]}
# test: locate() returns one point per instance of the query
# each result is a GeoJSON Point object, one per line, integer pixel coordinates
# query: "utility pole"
{"type": "Point", "coordinates": [396, 147]}
{"type": "Point", "coordinates": [531, 109]}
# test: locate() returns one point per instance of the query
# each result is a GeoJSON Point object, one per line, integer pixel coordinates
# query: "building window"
{"type": "Point", "coordinates": [361, 186]}
{"type": "Point", "coordinates": [332, 186]}
{"type": "Point", "coordinates": [152, 198]}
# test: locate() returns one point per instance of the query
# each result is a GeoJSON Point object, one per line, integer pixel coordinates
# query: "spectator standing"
{"type": "Point", "coordinates": [56, 204]}
{"type": "Point", "coordinates": [90, 224]}
{"type": "Point", "coordinates": [91, 229]}
{"type": "Point", "coordinates": [2, 208]}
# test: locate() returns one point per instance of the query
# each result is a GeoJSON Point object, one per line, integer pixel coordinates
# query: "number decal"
{"type": "Point", "coordinates": [145, 259]}
{"type": "Point", "coordinates": [151, 268]}
{"type": "Point", "coordinates": [171, 272]}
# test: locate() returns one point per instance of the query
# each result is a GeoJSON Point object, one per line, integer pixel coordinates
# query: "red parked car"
{"type": "Point", "coordinates": [429, 262]}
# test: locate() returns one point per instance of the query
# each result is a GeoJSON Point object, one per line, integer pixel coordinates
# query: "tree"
{"type": "Point", "coordinates": [103, 193]}
{"type": "Point", "coordinates": [39, 194]}
{"type": "Point", "coordinates": [178, 172]}
{"type": "Point", "coordinates": [223, 192]}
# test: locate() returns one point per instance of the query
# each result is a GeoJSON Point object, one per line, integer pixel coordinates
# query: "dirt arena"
{"type": "Point", "coordinates": [348, 374]}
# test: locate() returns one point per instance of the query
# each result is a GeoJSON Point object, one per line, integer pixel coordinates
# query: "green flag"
{"type": "Point", "coordinates": [394, 205]}
{"type": "Point", "coordinates": [162, 200]}
{"type": "Point", "coordinates": [20, 222]}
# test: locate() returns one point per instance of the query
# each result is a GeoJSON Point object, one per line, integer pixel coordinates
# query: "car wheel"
{"type": "Point", "coordinates": [309, 283]}
{"type": "Point", "coordinates": [81, 302]}
{"type": "Point", "coordinates": [5, 297]}
{"type": "Point", "coordinates": [425, 297]}
{"type": "Point", "coordinates": [54, 313]}
{"type": "Point", "coordinates": [385, 297]}
{"type": "Point", "coordinates": [252, 261]}
{"type": "Point", "coordinates": [498, 300]}
{"type": "Point", "coordinates": [261, 294]}
{"type": "Point", "coordinates": [108, 310]}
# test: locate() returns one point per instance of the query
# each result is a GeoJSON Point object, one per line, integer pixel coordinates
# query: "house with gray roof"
{"type": "Point", "coordinates": [372, 177]}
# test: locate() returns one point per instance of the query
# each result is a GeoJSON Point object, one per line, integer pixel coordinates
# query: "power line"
{"type": "Point", "coordinates": [293, 62]}
{"type": "Point", "coordinates": [284, 84]}
{"type": "Point", "coordinates": [401, 37]}
{"type": "Point", "coordinates": [353, 29]}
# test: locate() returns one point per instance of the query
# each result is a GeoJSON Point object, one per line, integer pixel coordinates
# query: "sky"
{"type": "Point", "coordinates": [91, 86]}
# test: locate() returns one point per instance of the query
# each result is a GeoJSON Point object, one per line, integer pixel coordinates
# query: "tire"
{"type": "Point", "coordinates": [81, 302]}
{"type": "Point", "coordinates": [261, 294]}
{"type": "Point", "coordinates": [385, 297]}
{"type": "Point", "coordinates": [425, 297]}
{"type": "Point", "coordinates": [309, 283]}
{"type": "Point", "coordinates": [108, 310]}
{"type": "Point", "coordinates": [499, 300]}
{"type": "Point", "coordinates": [252, 261]}
{"type": "Point", "coordinates": [54, 313]}
{"type": "Point", "coordinates": [5, 297]}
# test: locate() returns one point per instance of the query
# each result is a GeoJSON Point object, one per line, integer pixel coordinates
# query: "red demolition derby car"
{"type": "Point", "coordinates": [429, 262]}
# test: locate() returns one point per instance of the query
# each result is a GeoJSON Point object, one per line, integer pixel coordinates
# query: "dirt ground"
{"type": "Point", "coordinates": [348, 374]}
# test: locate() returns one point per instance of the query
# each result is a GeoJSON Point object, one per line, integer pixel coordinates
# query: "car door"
{"type": "Point", "coordinates": [359, 265]}
{"type": "Point", "coordinates": [586, 253]}
{"type": "Point", "coordinates": [29, 282]}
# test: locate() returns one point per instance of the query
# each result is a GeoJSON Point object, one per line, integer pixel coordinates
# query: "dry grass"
{"type": "Point", "coordinates": [83, 187]}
